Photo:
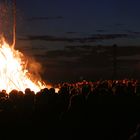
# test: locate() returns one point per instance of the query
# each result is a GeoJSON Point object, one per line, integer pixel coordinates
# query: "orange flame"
{"type": "Point", "coordinates": [13, 72]}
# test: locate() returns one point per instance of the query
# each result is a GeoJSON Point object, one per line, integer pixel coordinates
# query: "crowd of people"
{"type": "Point", "coordinates": [110, 108]}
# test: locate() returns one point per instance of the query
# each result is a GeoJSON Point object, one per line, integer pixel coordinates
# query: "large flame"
{"type": "Point", "coordinates": [13, 72]}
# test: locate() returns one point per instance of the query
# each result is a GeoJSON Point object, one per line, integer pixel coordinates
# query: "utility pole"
{"type": "Point", "coordinates": [114, 61]}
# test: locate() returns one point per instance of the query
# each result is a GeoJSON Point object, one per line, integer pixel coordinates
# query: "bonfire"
{"type": "Point", "coordinates": [13, 71]}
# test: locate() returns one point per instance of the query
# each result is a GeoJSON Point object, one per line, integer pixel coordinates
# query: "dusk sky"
{"type": "Point", "coordinates": [82, 18]}
{"type": "Point", "coordinates": [73, 39]}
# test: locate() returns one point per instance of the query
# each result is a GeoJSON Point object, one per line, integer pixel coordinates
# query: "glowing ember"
{"type": "Point", "coordinates": [13, 72]}
{"type": "Point", "coordinates": [56, 90]}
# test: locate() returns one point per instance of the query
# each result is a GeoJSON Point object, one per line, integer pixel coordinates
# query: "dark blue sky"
{"type": "Point", "coordinates": [74, 38]}
{"type": "Point", "coordinates": [81, 17]}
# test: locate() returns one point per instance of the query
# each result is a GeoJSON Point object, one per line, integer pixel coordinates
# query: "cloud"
{"type": "Point", "coordinates": [71, 32]}
{"type": "Point", "coordinates": [70, 64]}
{"type": "Point", "coordinates": [87, 57]}
{"type": "Point", "coordinates": [101, 30]}
{"type": "Point", "coordinates": [85, 47]}
{"type": "Point", "coordinates": [120, 24]}
{"type": "Point", "coordinates": [92, 38]}
{"type": "Point", "coordinates": [95, 61]}
{"type": "Point", "coordinates": [133, 32]}
{"type": "Point", "coordinates": [45, 18]}
{"type": "Point", "coordinates": [108, 36]}
{"type": "Point", "coordinates": [54, 38]}
{"type": "Point", "coordinates": [65, 53]}
{"type": "Point", "coordinates": [95, 56]}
